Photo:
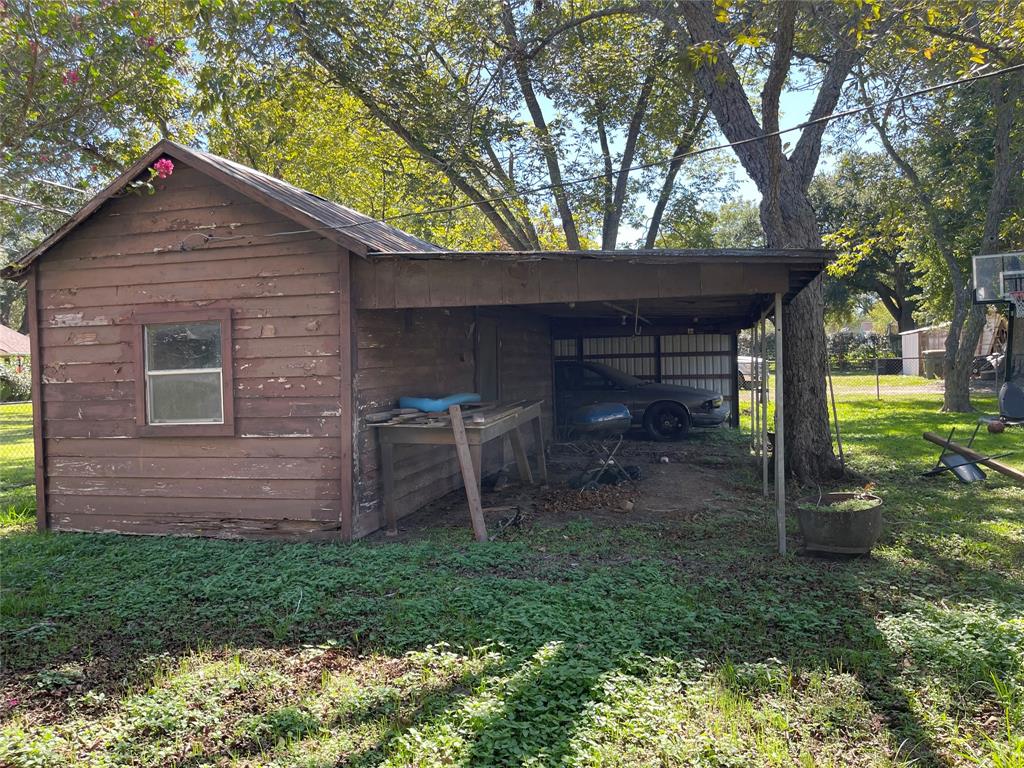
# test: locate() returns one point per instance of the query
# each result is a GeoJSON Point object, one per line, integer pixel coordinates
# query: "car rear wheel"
{"type": "Point", "coordinates": [666, 421]}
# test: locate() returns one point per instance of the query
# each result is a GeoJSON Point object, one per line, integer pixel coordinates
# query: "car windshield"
{"type": "Point", "coordinates": [620, 378]}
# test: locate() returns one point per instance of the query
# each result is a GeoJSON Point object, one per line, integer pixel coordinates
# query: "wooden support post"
{"type": "Point", "coordinates": [469, 463]}
{"type": "Point", "coordinates": [780, 430]}
{"type": "Point", "coordinates": [538, 445]}
{"type": "Point", "coordinates": [519, 451]}
{"type": "Point", "coordinates": [753, 388]}
{"type": "Point", "coordinates": [387, 468]}
{"type": "Point", "coordinates": [36, 372]}
{"type": "Point", "coordinates": [763, 392]}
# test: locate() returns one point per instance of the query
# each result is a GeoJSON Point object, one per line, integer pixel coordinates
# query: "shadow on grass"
{"type": "Point", "coordinates": [74, 596]}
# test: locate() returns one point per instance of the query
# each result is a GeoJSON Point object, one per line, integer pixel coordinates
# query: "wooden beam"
{"type": "Point", "coordinates": [470, 478]}
{"type": "Point", "coordinates": [974, 456]}
{"type": "Point", "coordinates": [780, 430]}
{"type": "Point", "coordinates": [36, 369]}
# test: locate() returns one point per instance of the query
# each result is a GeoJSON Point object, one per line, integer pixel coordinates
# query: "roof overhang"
{"type": "Point", "coordinates": [727, 288]}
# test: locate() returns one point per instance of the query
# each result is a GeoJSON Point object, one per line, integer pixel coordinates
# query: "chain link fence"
{"type": "Point", "coordinates": [17, 468]}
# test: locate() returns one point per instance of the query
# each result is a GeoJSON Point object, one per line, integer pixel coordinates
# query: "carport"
{"type": "Point", "coordinates": [553, 304]}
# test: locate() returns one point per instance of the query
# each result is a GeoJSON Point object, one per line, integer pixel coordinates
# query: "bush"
{"type": "Point", "coordinates": [15, 382]}
{"type": "Point", "coordinates": [850, 351]}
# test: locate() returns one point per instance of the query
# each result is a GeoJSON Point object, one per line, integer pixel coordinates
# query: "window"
{"type": "Point", "coordinates": [184, 385]}
{"type": "Point", "coordinates": [594, 380]}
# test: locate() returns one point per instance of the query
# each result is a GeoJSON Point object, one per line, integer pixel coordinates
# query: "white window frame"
{"type": "Point", "coordinates": [178, 372]}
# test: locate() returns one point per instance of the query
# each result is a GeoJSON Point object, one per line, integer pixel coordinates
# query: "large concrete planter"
{"type": "Point", "coordinates": [844, 531]}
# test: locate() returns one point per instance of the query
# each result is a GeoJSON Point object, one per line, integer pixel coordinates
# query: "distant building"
{"type": "Point", "coordinates": [14, 346]}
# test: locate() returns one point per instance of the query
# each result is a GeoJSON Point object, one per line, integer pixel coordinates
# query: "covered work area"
{"type": "Point", "coordinates": [437, 322]}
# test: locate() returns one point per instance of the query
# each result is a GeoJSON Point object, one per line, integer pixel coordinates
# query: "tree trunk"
{"type": "Point", "coordinates": [808, 447]}
{"type": "Point", "coordinates": [905, 321]}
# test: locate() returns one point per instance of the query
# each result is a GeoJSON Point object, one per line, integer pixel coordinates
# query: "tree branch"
{"type": "Point", "coordinates": [520, 64]}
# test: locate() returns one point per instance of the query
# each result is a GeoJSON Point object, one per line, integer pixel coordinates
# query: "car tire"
{"type": "Point", "coordinates": [666, 421]}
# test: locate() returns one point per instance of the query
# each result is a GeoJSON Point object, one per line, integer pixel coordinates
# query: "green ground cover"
{"type": "Point", "coordinates": [688, 643]}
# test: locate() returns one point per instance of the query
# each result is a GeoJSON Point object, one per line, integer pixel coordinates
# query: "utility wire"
{"type": "Point", "coordinates": [644, 166]}
{"type": "Point", "coordinates": [32, 204]}
{"type": "Point", "coordinates": [86, 192]}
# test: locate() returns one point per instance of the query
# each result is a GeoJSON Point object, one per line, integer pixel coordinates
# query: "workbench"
{"type": "Point", "coordinates": [468, 428]}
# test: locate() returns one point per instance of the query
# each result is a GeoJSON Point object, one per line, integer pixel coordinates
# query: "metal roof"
{"type": "Point", "coordinates": [12, 342]}
{"type": "Point", "coordinates": [813, 256]}
{"type": "Point", "coordinates": [355, 231]}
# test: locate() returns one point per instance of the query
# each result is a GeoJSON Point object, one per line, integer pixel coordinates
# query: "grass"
{"type": "Point", "coordinates": [17, 474]}
{"type": "Point", "coordinates": [578, 645]}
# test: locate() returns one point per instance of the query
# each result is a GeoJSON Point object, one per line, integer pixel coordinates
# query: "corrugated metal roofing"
{"type": "Point", "coordinates": [346, 226]}
{"type": "Point", "coordinates": [377, 235]}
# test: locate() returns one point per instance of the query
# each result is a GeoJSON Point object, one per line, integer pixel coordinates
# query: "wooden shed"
{"type": "Point", "coordinates": [208, 352]}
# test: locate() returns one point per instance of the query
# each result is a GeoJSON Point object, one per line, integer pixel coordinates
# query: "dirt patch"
{"type": "Point", "coordinates": [678, 482]}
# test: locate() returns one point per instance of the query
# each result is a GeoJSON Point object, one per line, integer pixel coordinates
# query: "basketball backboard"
{"type": "Point", "coordinates": [997, 276]}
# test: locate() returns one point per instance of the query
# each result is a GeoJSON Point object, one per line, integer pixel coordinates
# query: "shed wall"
{"type": "Point", "coordinates": [432, 352]}
{"type": "Point", "coordinates": [279, 474]}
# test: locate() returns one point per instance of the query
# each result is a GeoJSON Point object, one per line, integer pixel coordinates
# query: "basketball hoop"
{"type": "Point", "coordinates": [1017, 301]}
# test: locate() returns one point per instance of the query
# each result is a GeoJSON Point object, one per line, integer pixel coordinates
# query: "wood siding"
{"type": "Point", "coordinates": [432, 352]}
{"type": "Point", "coordinates": [280, 474]}
{"type": "Point", "coordinates": [382, 283]}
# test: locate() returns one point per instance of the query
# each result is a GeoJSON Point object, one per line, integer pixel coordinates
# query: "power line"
{"type": "Point", "coordinates": [643, 166]}
{"type": "Point", "coordinates": [33, 204]}
{"type": "Point", "coordinates": [57, 184]}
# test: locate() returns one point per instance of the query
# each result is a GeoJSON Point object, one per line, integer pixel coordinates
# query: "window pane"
{"type": "Point", "coordinates": [188, 397]}
{"type": "Point", "coordinates": [182, 345]}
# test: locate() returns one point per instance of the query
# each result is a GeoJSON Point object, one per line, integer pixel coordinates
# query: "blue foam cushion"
{"type": "Point", "coordinates": [432, 405]}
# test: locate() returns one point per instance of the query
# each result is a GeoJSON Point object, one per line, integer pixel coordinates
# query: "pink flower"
{"type": "Point", "coordinates": [163, 167]}
{"type": "Point", "coordinates": [149, 41]}
{"type": "Point", "coordinates": [70, 77]}
{"type": "Point", "coordinates": [11, 703]}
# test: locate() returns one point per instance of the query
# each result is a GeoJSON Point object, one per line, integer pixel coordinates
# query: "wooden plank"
{"type": "Point", "coordinates": [194, 488]}
{"type": "Point", "coordinates": [309, 346]}
{"type": "Point", "coordinates": [253, 407]}
{"type": "Point", "coordinates": [244, 427]}
{"type": "Point", "coordinates": [538, 437]}
{"type": "Point", "coordinates": [521, 283]}
{"type": "Point", "coordinates": [291, 386]}
{"type": "Point", "coordinates": [277, 367]}
{"type": "Point", "coordinates": [412, 287]}
{"type": "Point", "coordinates": [206, 527]}
{"type": "Point", "coordinates": [242, 308]}
{"type": "Point", "coordinates": [170, 242]}
{"type": "Point", "coordinates": [202, 467]}
{"type": "Point", "coordinates": [387, 470]}
{"type": "Point", "coordinates": [522, 462]}
{"type": "Point", "coordinates": [38, 425]}
{"type": "Point", "coordinates": [93, 353]}
{"type": "Point", "coordinates": [213, 447]}
{"type": "Point", "coordinates": [198, 290]}
{"type": "Point", "coordinates": [249, 249]}
{"type": "Point", "coordinates": [310, 263]}
{"type": "Point", "coordinates": [470, 473]}
{"type": "Point", "coordinates": [80, 392]}
{"type": "Point", "coordinates": [155, 508]}
{"type": "Point", "coordinates": [301, 388]}
{"type": "Point", "coordinates": [971, 455]}
{"type": "Point", "coordinates": [300, 326]}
